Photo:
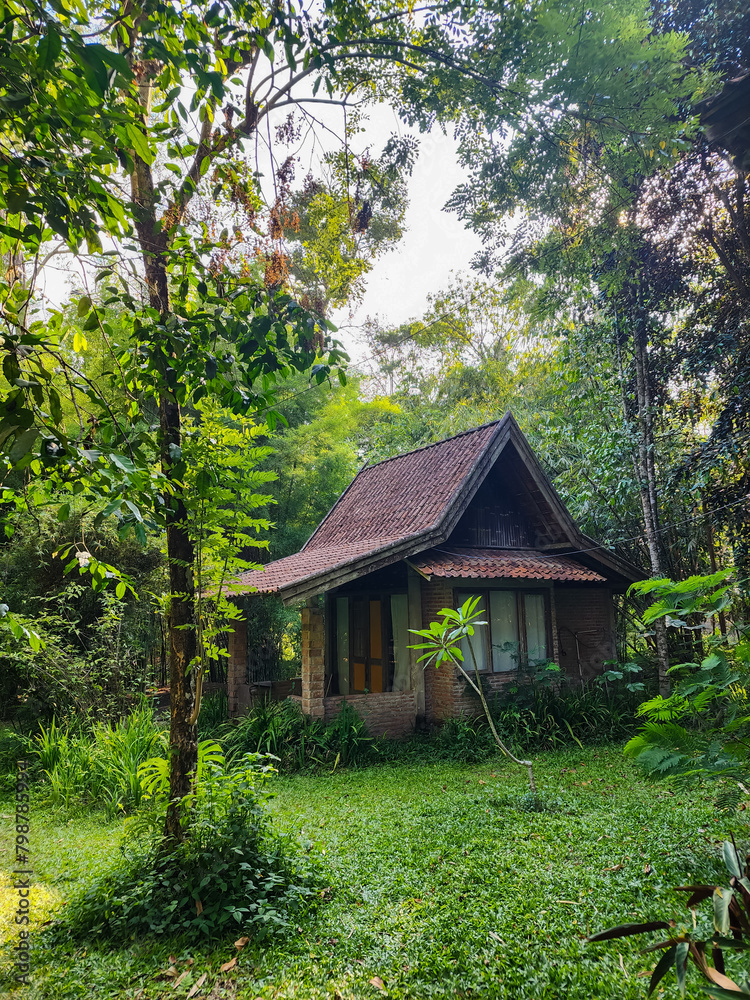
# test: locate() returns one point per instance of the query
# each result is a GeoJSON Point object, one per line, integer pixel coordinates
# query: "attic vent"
{"type": "Point", "coordinates": [495, 528]}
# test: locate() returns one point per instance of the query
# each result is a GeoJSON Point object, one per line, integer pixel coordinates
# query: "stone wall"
{"type": "Point", "coordinates": [313, 659]}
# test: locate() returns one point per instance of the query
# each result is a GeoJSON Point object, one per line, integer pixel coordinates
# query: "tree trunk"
{"type": "Point", "coordinates": [183, 747]}
{"type": "Point", "coordinates": [646, 469]}
{"type": "Point", "coordinates": [181, 640]}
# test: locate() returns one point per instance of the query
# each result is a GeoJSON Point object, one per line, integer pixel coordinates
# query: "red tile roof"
{"type": "Point", "coordinates": [294, 569]}
{"type": "Point", "coordinates": [410, 504]}
{"type": "Point", "coordinates": [387, 505]}
{"type": "Point", "coordinates": [405, 495]}
{"type": "Point", "coordinates": [486, 564]}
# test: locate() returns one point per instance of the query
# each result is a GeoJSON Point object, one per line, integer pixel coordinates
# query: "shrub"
{"type": "Point", "coordinates": [213, 714]}
{"type": "Point", "coordinates": [297, 741]}
{"type": "Point", "coordinates": [701, 731]}
{"type": "Point", "coordinates": [464, 739]}
{"type": "Point", "coordinates": [543, 713]}
{"type": "Point", "coordinates": [231, 872]}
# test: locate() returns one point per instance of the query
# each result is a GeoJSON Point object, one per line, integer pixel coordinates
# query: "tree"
{"type": "Point", "coordinates": [442, 642]}
{"type": "Point", "coordinates": [579, 180]}
{"type": "Point", "coordinates": [110, 141]}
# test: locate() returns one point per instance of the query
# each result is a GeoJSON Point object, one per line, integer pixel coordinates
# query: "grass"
{"type": "Point", "coordinates": [438, 885]}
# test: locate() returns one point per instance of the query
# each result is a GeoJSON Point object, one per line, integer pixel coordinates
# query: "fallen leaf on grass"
{"type": "Point", "coordinates": [198, 907]}
{"type": "Point", "coordinates": [622, 966]}
{"type": "Point", "coordinates": [179, 979]}
{"type": "Point", "coordinates": [229, 965]}
{"type": "Point", "coordinates": [614, 868]}
{"type": "Point", "coordinates": [568, 902]}
{"type": "Point", "coordinates": [171, 972]}
{"type": "Point", "coordinates": [241, 942]}
{"type": "Point", "coordinates": [377, 982]}
{"type": "Point", "coordinates": [172, 959]}
{"type": "Point", "coordinates": [194, 989]}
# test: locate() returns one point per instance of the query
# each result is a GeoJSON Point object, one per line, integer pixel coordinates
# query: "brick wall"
{"type": "Point", "coordinates": [589, 612]}
{"type": "Point", "coordinates": [390, 713]}
{"type": "Point", "coordinates": [440, 683]}
{"type": "Point", "coordinates": [313, 660]}
{"type": "Point", "coordinates": [237, 686]}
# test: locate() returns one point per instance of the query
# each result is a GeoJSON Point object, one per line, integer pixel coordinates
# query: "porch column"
{"type": "Point", "coordinates": [313, 659]}
{"type": "Point", "coordinates": [237, 666]}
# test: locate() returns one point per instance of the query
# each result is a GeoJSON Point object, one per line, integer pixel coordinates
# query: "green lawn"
{"type": "Point", "coordinates": [439, 886]}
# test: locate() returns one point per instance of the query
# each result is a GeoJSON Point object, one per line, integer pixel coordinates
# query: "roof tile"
{"type": "Point", "coordinates": [402, 496]}
{"type": "Point", "coordinates": [486, 564]}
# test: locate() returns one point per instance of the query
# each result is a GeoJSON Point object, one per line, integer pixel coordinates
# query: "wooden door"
{"type": "Point", "coordinates": [360, 639]}
{"type": "Point", "coordinates": [369, 667]}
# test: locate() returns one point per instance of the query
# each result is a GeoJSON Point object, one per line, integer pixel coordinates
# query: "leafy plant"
{"type": "Point", "coordinates": [297, 741]}
{"type": "Point", "coordinates": [99, 764]}
{"type": "Point", "coordinates": [442, 645]}
{"type": "Point", "coordinates": [229, 872]}
{"type": "Point", "coordinates": [686, 942]}
{"type": "Point", "coordinates": [701, 729]}
{"type": "Point", "coordinates": [153, 774]}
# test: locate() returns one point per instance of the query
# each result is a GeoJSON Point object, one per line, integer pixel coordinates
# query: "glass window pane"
{"type": "Point", "coordinates": [504, 625]}
{"type": "Point", "coordinates": [479, 639]}
{"type": "Point", "coordinates": [536, 630]}
{"type": "Point", "coordinates": [401, 640]}
{"type": "Point", "coordinates": [342, 643]}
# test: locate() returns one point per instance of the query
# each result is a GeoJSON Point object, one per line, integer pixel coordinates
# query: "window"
{"type": "Point", "coordinates": [371, 640]}
{"type": "Point", "coordinates": [516, 632]}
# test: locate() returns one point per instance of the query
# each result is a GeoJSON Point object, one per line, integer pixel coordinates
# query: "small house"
{"type": "Point", "coordinates": [473, 515]}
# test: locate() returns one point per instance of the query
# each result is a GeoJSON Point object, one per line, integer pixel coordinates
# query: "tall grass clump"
{"type": "Point", "coordinates": [98, 765]}
{"type": "Point", "coordinates": [544, 711]}
{"type": "Point", "coordinates": [297, 741]}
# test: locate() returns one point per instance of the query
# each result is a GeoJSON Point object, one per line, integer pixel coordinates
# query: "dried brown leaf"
{"type": "Point", "coordinates": [719, 979]}
{"type": "Point", "coordinates": [229, 965]}
{"type": "Point", "coordinates": [241, 942]}
{"type": "Point", "coordinates": [377, 982]}
{"type": "Point", "coordinates": [194, 989]}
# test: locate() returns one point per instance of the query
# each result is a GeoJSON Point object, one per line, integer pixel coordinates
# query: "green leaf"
{"type": "Point", "coordinates": [731, 860]}
{"type": "Point", "coordinates": [662, 968]}
{"type": "Point", "coordinates": [721, 899]}
{"type": "Point", "coordinates": [63, 512]}
{"type": "Point", "coordinates": [139, 142]}
{"type": "Point", "coordinates": [680, 965]}
{"type": "Point", "coordinates": [48, 50]}
{"type": "Point", "coordinates": [120, 590]}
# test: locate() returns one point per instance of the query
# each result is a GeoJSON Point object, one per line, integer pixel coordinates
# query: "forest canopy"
{"type": "Point", "coordinates": [159, 145]}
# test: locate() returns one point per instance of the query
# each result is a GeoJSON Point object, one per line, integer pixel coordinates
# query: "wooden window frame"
{"type": "Point", "coordinates": [386, 626]}
{"type": "Point", "coordinates": [486, 631]}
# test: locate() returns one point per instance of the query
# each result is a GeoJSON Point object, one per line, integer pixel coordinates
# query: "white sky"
{"type": "Point", "coordinates": [435, 242]}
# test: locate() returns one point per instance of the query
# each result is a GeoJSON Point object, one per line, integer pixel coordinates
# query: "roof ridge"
{"type": "Point", "coordinates": [434, 444]}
